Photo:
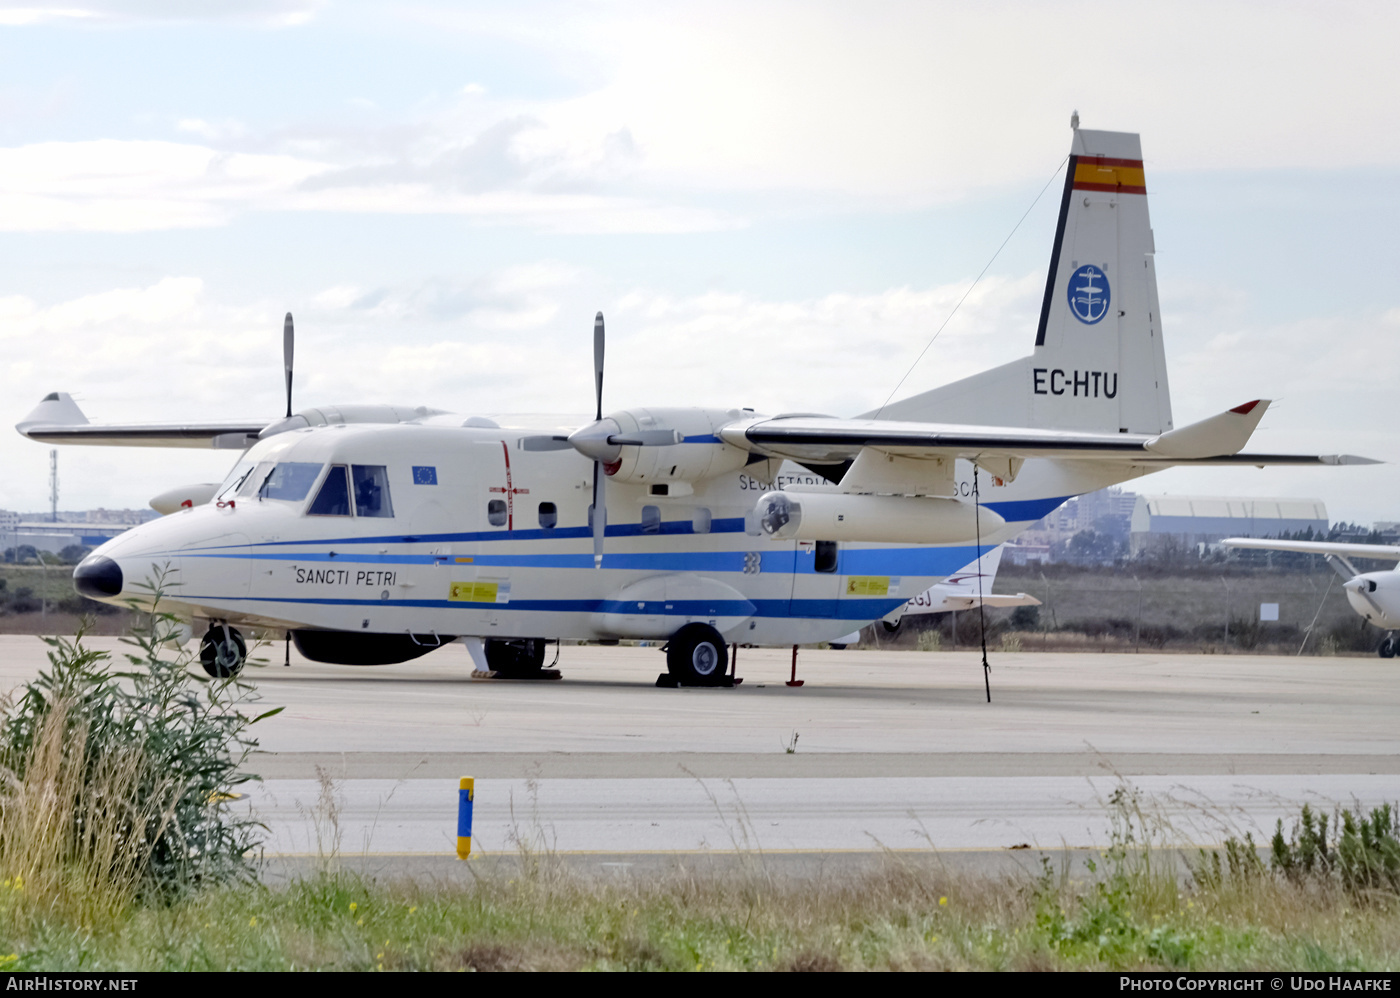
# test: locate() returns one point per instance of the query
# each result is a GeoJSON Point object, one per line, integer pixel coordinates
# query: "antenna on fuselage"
{"type": "Point", "coordinates": [288, 341]}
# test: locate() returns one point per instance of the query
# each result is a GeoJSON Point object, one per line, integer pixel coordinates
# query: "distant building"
{"type": "Point", "coordinates": [1021, 553]}
{"type": "Point", "coordinates": [89, 528]}
{"type": "Point", "coordinates": [1191, 521]}
{"type": "Point", "coordinates": [1105, 511]}
{"type": "Point", "coordinates": [129, 517]}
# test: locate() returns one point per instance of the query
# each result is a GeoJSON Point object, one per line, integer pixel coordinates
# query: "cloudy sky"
{"type": "Point", "coordinates": [776, 205]}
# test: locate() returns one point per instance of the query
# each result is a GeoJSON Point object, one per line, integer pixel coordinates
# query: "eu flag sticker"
{"type": "Point", "coordinates": [424, 475]}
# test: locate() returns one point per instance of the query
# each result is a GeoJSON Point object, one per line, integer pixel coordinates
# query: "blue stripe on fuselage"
{"type": "Point", "coordinates": [917, 561]}
{"type": "Point", "coordinates": [816, 609]}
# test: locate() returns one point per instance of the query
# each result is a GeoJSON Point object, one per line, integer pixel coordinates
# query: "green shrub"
{"type": "Point", "coordinates": [929, 641]}
{"type": "Point", "coordinates": [1368, 850]}
{"type": "Point", "coordinates": [116, 781]}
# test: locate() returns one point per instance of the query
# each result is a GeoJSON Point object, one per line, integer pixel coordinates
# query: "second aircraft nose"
{"type": "Point", "coordinates": [98, 578]}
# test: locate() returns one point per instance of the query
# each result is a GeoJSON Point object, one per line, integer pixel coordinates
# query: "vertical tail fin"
{"type": "Point", "coordinates": [1099, 363]}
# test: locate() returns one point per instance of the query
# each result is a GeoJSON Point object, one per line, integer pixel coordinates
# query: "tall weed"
{"type": "Point", "coordinates": [113, 784]}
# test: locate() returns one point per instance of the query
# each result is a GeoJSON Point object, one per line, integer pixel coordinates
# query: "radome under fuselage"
{"type": "Point", "coordinates": [445, 562]}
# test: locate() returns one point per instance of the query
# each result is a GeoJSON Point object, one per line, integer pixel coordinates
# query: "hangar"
{"type": "Point", "coordinates": [1160, 521]}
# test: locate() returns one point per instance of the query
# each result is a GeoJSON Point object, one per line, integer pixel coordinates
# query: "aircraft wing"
{"type": "Point", "coordinates": [1382, 552]}
{"type": "Point", "coordinates": [829, 440]}
{"type": "Point", "coordinates": [59, 420]}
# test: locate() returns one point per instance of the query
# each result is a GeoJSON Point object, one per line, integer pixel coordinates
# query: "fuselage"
{"type": "Point", "coordinates": [457, 530]}
{"type": "Point", "coordinates": [1376, 596]}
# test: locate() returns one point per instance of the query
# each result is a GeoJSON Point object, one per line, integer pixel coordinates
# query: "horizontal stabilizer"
{"type": "Point", "coordinates": [991, 599]}
{"type": "Point", "coordinates": [1222, 434]}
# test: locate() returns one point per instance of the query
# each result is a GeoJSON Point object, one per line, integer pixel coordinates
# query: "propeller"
{"type": "Point", "coordinates": [600, 505]}
{"type": "Point", "coordinates": [602, 440]}
{"type": "Point", "coordinates": [288, 341]}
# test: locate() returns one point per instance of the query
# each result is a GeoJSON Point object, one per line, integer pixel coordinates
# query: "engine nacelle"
{"type": "Point", "coordinates": [699, 455]}
{"type": "Point", "coordinates": [839, 516]}
{"type": "Point", "coordinates": [184, 497]}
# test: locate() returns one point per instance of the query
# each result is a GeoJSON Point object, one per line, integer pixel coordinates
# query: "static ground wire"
{"type": "Point", "coordinates": [970, 289]}
{"type": "Point", "coordinates": [981, 603]}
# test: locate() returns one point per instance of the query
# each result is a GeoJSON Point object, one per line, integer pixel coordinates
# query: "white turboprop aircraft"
{"type": "Point", "coordinates": [966, 589]}
{"type": "Point", "coordinates": [374, 534]}
{"type": "Point", "coordinates": [1374, 595]}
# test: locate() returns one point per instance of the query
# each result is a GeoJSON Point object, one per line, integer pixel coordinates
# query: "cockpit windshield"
{"type": "Point", "coordinates": [235, 479]}
{"type": "Point", "coordinates": [289, 481]}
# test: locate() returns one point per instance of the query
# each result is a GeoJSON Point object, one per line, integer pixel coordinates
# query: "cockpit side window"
{"type": "Point", "coordinates": [290, 481]}
{"type": "Point", "coordinates": [371, 483]}
{"type": "Point", "coordinates": [334, 497]}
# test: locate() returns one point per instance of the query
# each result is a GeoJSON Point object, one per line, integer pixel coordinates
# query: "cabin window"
{"type": "Point", "coordinates": [700, 521]}
{"type": "Point", "coordinates": [826, 556]}
{"type": "Point", "coordinates": [651, 519]}
{"type": "Point", "coordinates": [334, 497]}
{"type": "Point", "coordinates": [549, 515]}
{"type": "Point", "coordinates": [496, 512]}
{"type": "Point", "coordinates": [290, 481]}
{"type": "Point", "coordinates": [371, 483]}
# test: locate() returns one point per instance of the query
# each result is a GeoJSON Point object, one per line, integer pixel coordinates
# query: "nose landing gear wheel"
{"type": "Point", "coordinates": [697, 656]}
{"type": "Point", "coordinates": [1388, 647]}
{"type": "Point", "coordinates": [222, 651]}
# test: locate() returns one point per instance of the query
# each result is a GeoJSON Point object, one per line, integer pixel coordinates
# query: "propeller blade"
{"type": "Point", "coordinates": [600, 512]}
{"type": "Point", "coordinates": [545, 443]}
{"type": "Point", "coordinates": [645, 438]}
{"type": "Point", "coordinates": [598, 361]}
{"type": "Point", "coordinates": [288, 339]}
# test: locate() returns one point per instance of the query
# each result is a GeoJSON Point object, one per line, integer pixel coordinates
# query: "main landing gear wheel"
{"type": "Point", "coordinates": [697, 656]}
{"type": "Point", "coordinates": [222, 651]}
{"type": "Point", "coordinates": [1389, 647]}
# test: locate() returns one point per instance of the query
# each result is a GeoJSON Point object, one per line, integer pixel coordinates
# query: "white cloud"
{"type": "Point", "coordinates": [276, 13]}
{"type": "Point", "coordinates": [519, 340]}
{"type": "Point", "coordinates": [906, 101]}
{"type": "Point", "coordinates": [110, 185]}
{"type": "Point", "coordinates": [890, 104]}
{"type": "Point", "coordinates": [107, 185]}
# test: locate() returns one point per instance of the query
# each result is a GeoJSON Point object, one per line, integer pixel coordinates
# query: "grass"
{"type": "Point", "coordinates": [900, 918]}
{"type": "Point", "coordinates": [1135, 911]}
{"type": "Point", "coordinates": [85, 805]}
{"type": "Point", "coordinates": [1201, 597]}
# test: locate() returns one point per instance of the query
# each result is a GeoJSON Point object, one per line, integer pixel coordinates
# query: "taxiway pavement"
{"type": "Point", "coordinates": [890, 750]}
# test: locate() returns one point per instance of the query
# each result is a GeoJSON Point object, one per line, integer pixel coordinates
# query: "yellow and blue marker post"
{"type": "Point", "coordinates": [465, 794]}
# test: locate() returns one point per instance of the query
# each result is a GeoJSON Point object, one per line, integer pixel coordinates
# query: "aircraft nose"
{"type": "Point", "coordinates": [98, 578]}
